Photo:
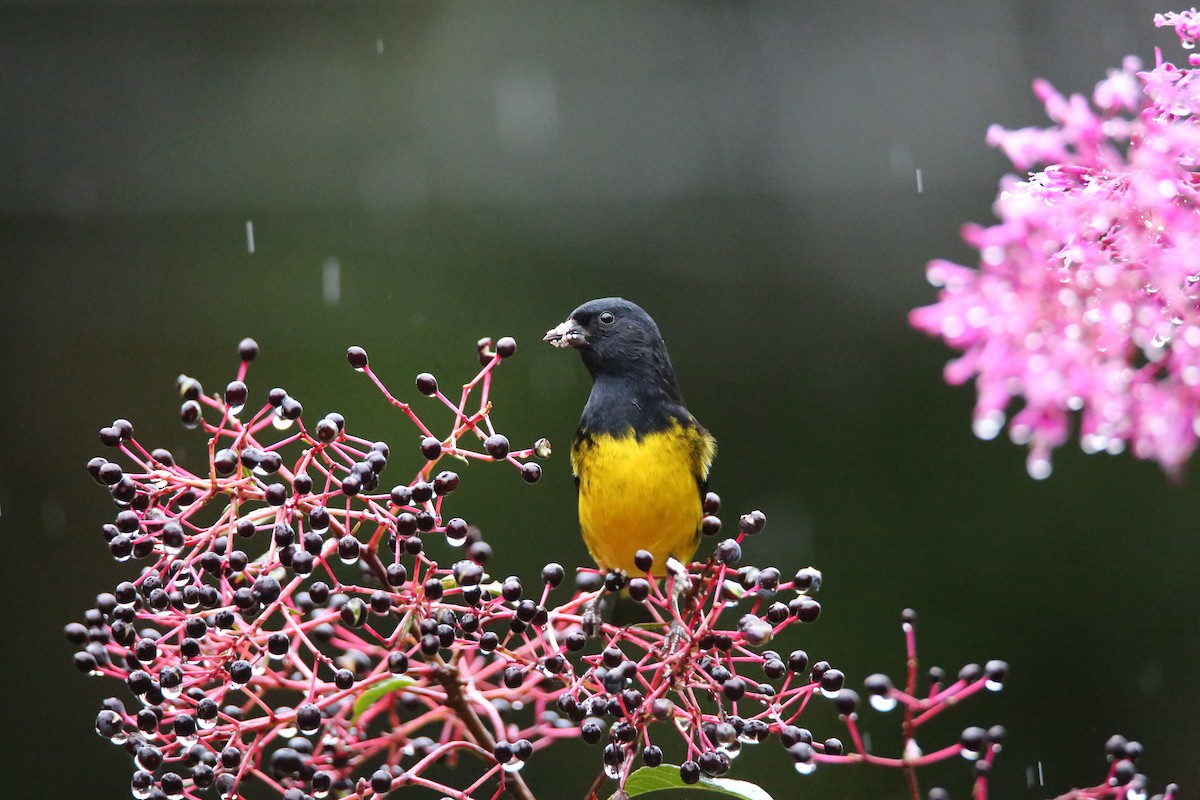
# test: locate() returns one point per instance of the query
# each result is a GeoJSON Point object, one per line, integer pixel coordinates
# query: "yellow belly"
{"type": "Point", "coordinates": [641, 494]}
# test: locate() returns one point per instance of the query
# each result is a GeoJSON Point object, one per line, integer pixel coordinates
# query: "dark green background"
{"type": "Point", "coordinates": [747, 172]}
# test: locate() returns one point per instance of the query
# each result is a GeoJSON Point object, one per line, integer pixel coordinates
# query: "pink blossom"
{"type": "Point", "coordinates": [1086, 295]}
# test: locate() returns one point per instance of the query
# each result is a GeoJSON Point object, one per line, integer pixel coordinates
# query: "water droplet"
{"type": "Point", "coordinates": [970, 755]}
{"type": "Point", "coordinates": [882, 703]}
{"type": "Point", "coordinates": [282, 423]}
{"type": "Point", "coordinates": [207, 724]}
{"type": "Point", "coordinates": [988, 424]}
{"type": "Point", "coordinates": [952, 327]}
{"type": "Point", "coordinates": [806, 767]}
{"type": "Point", "coordinates": [235, 410]}
{"type": "Point", "coordinates": [1038, 467]}
{"type": "Point", "coordinates": [456, 541]}
{"type": "Point", "coordinates": [832, 695]}
{"type": "Point", "coordinates": [611, 771]}
{"type": "Point", "coordinates": [993, 686]}
{"type": "Point", "coordinates": [172, 692]}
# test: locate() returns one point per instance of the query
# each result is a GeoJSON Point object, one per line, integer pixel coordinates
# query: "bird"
{"type": "Point", "coordinates": [640, 459]}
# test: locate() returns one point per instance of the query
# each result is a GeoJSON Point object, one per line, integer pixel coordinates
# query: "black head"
{"type": "Point", "coordinates": [614, 337]}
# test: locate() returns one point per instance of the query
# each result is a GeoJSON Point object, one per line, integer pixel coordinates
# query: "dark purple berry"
{"type": "Point", "coordinates": [553, 574]}
{"type": "Point", "coordinates": [496, 445]}
{"type": "Point", "coordinates": [753, 522]}
{"type": "Point", "coordinates": [225, 462]}
{"type": "Point", "coordinates": [431, 448]}
{"type": "Point", "coordinates": [357, 357]}
{"type": "Point", "coordinates": [236, 393]}
{"type": "Point", "coordinates": [805, 610]}
{"type": "Point", "coordinates": [445, 482]}
{"type": "Point", "coordinates": [427, 384]}
{"type": "Point", "coordinates": [729, 552]}
{"type": "Point", "coordinates": [381, 779]}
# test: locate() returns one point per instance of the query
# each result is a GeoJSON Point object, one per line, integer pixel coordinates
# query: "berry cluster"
{"type": "Point", "coordinates": [290, 625]}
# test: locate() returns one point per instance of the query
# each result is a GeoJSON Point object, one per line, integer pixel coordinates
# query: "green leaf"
{"type": "Point", "coordinates": [377, 692]}
{"type": "Point", "coordinates": [666, 777]}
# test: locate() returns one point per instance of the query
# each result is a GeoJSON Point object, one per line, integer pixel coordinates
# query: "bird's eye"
{"type": "Point", "coordinates": [607, 318]}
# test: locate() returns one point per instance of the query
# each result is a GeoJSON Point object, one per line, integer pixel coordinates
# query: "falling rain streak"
{"type": "Point", "coordinates": [331, 281]}
{"type": "Point", "coordinates": [250, 236]}
{"type": "Point", "coordinates": [920, 182]}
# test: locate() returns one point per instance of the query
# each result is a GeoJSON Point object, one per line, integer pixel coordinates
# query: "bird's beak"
{"type": "Point", "coordinates": [568, 334]}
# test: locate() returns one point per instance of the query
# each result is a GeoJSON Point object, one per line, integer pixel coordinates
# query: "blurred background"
{"type": "Point", "coordinates": [767, 179]}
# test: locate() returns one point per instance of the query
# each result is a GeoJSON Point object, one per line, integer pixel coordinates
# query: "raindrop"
{"type": "Point", "coordinates": [806, 767]}
{"type": "Point", "coordinates": [1038, 467]}
{"type": "Point", "coordinates": [882, 703]}
{"type": "Point", "coordinates": [249, 238]}
{"type": "Point", "coordinates": [987, 425]}
{"type": "Point", "coordinates": [331, 281]}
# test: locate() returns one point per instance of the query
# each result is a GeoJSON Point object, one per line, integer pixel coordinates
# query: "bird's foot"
{"type": "Point", "coordinates": [592, 619]}
{"type": "Point", "coordinates": [680, 582]}
{"type": "Point", "coordinates": [676, 635]}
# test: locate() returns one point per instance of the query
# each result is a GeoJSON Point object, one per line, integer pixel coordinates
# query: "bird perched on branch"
{"type": "Point", "coordinates": [640, 458]}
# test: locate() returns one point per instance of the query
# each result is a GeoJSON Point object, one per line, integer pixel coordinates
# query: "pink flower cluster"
{"type": "Point", "coordinates": [1086, 296]}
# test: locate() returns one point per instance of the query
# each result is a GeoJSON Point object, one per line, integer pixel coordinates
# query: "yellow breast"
{"type": "Point", "coordinates": [641, 494]}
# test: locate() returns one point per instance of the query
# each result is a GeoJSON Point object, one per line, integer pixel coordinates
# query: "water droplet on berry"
{"type": "Point", "coordinates": [806, 767]}
{"type": "Point", "coordinates": [882, 703]}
